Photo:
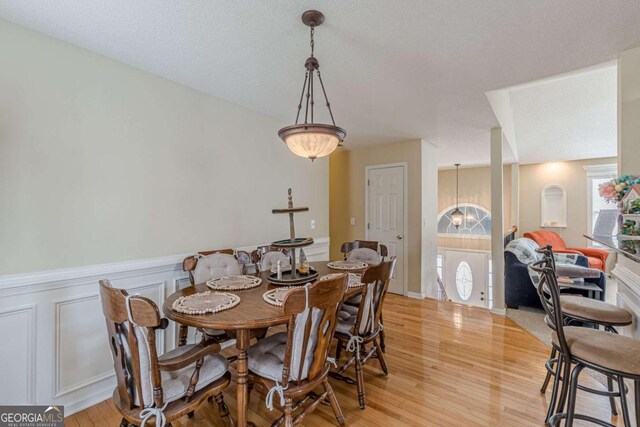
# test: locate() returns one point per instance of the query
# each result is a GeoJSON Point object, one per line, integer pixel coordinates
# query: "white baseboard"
{"type": "Point", "coordinates": [44, 313]}
{"type": "Point", "coordinates": [499, 311]}
{"type": "Point", "coordinates": [416, 295]}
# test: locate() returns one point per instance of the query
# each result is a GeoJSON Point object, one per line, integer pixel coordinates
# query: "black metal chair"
{"type": "Point", "coordinates": [613, 355]}
{"type": "Point", "coordinates": [585, 311]}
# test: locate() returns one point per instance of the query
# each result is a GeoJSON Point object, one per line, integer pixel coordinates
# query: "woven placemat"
{"type": "Point", "coordinates": [355, 280]}
{"type": "Point", "coordinates": [276, 296]}
{"type": "Point", "coordinates": [205, 302]}
{"type": "Point", "coordinates": [347, 265]}
{"type": "Point", "coordinates": [234, 283]}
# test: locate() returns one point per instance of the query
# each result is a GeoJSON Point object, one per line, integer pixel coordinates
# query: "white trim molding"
{"type": "Point", "coordinates": [602, 171]}
{"type": "Point", "coordinates": [416, 295]}
{"type": "Point", "coordinates": [57, 368]}
{"type": "Point", "coordinates": [499, 311]}
{"type": "Point", "coordinates": [628, 296]}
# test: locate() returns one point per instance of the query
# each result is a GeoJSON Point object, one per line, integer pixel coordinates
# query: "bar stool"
{"type": "Point", "coordinates": [613, 355]}
{"type": "Point", "coordinates": [576, 308]}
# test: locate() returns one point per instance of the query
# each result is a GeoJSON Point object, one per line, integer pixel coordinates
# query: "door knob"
{"type": "Point", "coordinates": [399, 237]}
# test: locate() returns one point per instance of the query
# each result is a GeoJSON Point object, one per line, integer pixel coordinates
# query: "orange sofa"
{"type": "Point", "coordinates": [597, 257]}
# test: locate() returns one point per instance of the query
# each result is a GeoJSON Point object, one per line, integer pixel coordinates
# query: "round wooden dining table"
{"type": "Point", "coordinates": [252, 313]}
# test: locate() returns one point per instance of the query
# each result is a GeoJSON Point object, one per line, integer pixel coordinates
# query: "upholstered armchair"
{"type": "Point", "coordinates": [520, 288]}
{"type": "Point", "coordinates": [597, 257]}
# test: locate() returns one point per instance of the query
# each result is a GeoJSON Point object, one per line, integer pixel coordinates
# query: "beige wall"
{"type": "Point", "coordinates": [347, 197]}
{"type": "Point", "coordinates": [475, 187]}
{"type": "Point", "coordinates": [102, 162]}
{"type": "Point", "coordinates": [571, 175]}
{"type": "Point", "coordinates": [629, 112]}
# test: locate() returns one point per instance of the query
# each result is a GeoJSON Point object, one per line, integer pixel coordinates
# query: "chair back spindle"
{"type": "Point", "coordinates": [313, 312]}
{"type": "Point", "coordinates": [376, 280]}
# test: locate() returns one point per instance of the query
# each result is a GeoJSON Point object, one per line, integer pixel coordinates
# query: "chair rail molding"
{"type": "Point", "coordinates": [59, 352]}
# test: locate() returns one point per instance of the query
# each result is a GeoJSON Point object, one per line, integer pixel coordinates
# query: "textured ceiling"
{"type": "Point", "coordinates": [572, 117]}
{"type": "Point", "coordinates": [393, 70]}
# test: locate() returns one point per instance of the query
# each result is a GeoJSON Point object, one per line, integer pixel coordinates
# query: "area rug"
{"type": "Point", "coordinates": [532, 320]}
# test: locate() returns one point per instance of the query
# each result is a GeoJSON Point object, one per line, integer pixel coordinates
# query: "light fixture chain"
{"type": "Point", "coordinates": [312, 102]}
{"type": "Point", "coordinates": [306, 76]}
{"type": "Point", "coordinates": [306, 110]}
{"type": "Point", "coordinates": [325, 97]}
{"type": "Point", "coordinates": [312, 42]}
{"type": "Point", "coordinates": [457, 184]}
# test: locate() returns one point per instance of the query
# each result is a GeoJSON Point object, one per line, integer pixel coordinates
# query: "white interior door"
{"type": "Point", "coordinates": [386, 216]}
{"type": "Point", "coordinates": [466, 276]}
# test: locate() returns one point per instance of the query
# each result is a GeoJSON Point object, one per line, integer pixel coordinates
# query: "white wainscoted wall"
{"type": "Point", "coordinates": [53, 332]}
{"type": "Point", "coordinates": [628, 274]}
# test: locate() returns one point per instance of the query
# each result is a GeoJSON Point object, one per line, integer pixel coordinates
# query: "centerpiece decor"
{"type": "Point", "coordinates": [311, 139]}
{"type": "Point", "coordinates": [625, 191]}
{"type": "Point", "coordinates": [294, 276]}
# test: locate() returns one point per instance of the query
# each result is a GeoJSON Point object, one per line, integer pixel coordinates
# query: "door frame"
{"type": "Point", "coordinates": [405, 220]}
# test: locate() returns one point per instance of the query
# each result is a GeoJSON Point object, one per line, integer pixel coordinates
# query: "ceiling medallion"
{"type": "Point", "coordinates": [309, 139]}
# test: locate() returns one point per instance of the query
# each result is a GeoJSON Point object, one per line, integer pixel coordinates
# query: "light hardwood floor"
{"type": "Point", "coordinates": [449, 365]}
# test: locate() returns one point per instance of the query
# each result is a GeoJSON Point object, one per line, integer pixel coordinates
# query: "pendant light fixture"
{"type": "Point", "coordinates": [311, 139]}
{"type": "Point", "coordinates": [456, 215]}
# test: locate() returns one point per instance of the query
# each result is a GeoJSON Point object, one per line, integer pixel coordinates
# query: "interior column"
{"type": "Point", "coordinates": [429, 238]}
{"type": "Point", "coordinates": [497, 221]}
{"type": "Point", "coordinates": [515, 195]}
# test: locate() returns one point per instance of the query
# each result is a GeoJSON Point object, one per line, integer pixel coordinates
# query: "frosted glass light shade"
{"type": "Point", "coordinates": [312, 140]}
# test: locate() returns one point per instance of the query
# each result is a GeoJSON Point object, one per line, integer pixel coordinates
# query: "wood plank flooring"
{"type": "Point", "coordinates": [449, 365]}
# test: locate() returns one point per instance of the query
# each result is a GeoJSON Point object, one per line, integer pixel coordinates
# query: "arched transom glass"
{"type": "Point", "coordinates": [476, 221]}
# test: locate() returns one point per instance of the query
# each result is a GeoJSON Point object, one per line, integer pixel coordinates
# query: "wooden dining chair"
{"type": "Point", "coordinates": [207, 265]}
{"type": "Point", "coordinates": [368, 244]}
{"type": "Point", "coordinates": [292, 364]}
{"type": "Point", "coordinates": [577, 309]}
{"type": "Point", "coordinates": [358, 327]}
{"type": "Point", "coordinates": [163, 388]}
{"type": "Point", "coordinates": [267, 256]}
{"type": "Point", "coordinates": [270, 259]}
{"type": "Point", "coordinates": [610, 354]}
{"type": "Point", "coordinates": [229, 263]}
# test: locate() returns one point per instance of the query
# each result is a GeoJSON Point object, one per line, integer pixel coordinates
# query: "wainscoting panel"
{"type": "Point", "coordinates": [18, 334]}
{"type": "Point", "coordinates": [77, 320]}
{"type": "Point", "coordinates": [61, 355]}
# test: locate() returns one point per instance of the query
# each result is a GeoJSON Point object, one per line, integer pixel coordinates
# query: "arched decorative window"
{"type": "Point", "coordinates": [476, 222]}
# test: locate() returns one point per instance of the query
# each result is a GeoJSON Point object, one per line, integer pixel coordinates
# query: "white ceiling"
{"type": "Point", "coordinates": [393, 70]}
{"type": "Point", "coordinates": [571, 116]}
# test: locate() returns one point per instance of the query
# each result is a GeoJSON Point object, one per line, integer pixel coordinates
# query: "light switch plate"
{"type": "Point", "coordinates": [353, 221]}
{"type": "Point", "coordinates": [313, 224]}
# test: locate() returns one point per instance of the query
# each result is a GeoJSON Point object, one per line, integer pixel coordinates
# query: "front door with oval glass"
{"type": "Point", "coordinates": [466, 277]}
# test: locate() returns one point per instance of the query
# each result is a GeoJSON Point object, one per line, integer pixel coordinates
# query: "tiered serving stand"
{"type": "Point", "coordinates": [292, 277]}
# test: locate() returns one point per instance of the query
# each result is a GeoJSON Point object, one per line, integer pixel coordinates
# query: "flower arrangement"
{"type": "Point", "coordinates": [613, 191]}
